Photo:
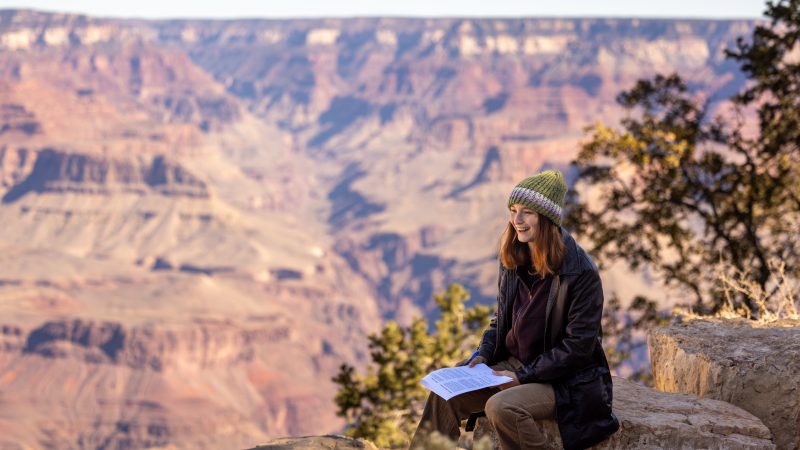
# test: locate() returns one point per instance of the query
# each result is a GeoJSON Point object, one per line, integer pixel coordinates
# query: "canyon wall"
{"type": "Point", "coordinates": [202, 219]}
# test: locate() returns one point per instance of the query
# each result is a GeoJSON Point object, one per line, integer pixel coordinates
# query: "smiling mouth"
{"type": "Point", "coordinates": [522, 230]}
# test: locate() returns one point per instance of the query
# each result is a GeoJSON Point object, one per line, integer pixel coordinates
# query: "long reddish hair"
{"type": "Point", "coordinates": [548, 249]}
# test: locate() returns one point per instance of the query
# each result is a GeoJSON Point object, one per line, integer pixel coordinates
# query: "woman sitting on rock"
{"type": "Point", "coordinates": [545, 334]}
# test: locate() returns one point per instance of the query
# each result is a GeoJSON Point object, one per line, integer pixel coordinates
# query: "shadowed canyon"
{"type": "Point", "coordinates": [201, 219]}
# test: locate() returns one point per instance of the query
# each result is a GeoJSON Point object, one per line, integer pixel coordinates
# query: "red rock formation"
{"type": "Point", "coordinates": [202, 219]}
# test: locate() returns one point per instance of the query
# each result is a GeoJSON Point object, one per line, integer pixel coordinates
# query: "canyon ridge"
{"type": "Point", "coordinates": [202, 219]}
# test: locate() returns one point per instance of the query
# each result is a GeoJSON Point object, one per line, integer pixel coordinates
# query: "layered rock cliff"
{"type": "Point", "coordinates": [749, 364]}
{"type": "Point", "coordinates": [201, 219]}
{"type": "Point", "coordinates": [380, 115]}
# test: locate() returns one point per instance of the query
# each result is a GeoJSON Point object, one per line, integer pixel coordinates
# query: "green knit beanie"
{"type": "Point", "coordinates": [543, 192]}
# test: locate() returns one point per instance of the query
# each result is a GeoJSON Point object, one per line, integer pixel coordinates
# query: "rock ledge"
{"type": "Point", "coordinates": [653, 420]}
{"type": "Point", "coordinates": [328, 442]}
{"type": "Point", "coordinates": [753, 366]}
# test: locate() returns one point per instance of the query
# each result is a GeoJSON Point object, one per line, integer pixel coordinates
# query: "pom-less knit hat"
{"type": "Point", "coordinates": [543, 192]}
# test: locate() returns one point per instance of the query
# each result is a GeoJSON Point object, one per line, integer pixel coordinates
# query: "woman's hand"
{"type": "Point", "coordinates": [477, 360]}
{"type": "Point", "coordinates": [514, 381]}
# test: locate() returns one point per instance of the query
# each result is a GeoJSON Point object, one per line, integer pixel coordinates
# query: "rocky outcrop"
{"type": "Point", "coordinates": [58, 171]}
{"type": "Point", "coordinates": [445, 113]}
{"type": "Point", "coordinates": [657, 420]}
{"type": "Point", "coordinates": [228, 169]}
{"type": "Point", "coordinates": [203, 344]}
{"type": "Point", "coordinates": [751, 365]}
{"type": "Point", "coordinates": [317, 442]}
{"type": "Point", "coordinates": [203, 384]}
{"type": "Point", "coordinates": [15, 165]}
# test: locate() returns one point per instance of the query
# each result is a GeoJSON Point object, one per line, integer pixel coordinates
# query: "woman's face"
{"type": "Point", "coordinates": [525, 220]}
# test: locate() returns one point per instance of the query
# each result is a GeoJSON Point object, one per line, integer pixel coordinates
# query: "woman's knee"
{"type": "Point", "coordinates": [496, 408]}
{"type": "Point", "coordinates": [435, 402]}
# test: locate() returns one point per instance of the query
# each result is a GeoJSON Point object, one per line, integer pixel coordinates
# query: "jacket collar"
{"type": "Point", "coordinates": [572, 258]}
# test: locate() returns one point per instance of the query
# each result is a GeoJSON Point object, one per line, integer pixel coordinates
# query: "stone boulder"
{"type": "Point", "coordinates": [652, 420]}
{"type": "Point", "coordinates": [328, 442]}
{"type": "Point", "coordinates": [753, 366]}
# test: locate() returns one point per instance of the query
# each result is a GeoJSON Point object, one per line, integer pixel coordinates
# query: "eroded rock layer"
{"type": "Point", "coordinates": [202, 219]}
{"type": "Point", "coordinates": [753, 366]}
{"type": "Point", "coordinates": [655, 420]}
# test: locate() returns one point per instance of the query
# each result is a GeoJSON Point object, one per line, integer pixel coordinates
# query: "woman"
{"type": "Point", "coordinates": [545, 334]}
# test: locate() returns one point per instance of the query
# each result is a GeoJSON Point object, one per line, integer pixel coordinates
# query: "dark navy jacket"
{"type": "Point", "coordinates": [573, 361]}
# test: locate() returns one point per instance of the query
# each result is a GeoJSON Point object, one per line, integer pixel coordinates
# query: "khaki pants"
{"type": "Point", "coordinates": [512, 412]}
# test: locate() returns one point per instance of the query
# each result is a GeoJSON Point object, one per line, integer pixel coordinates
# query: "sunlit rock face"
{"type": "Point", "coordinates": [316, 442]}
{"type": "Point", "coordinates": [202, 219]}
{"type": "Point", "coordinates": [749, 364]}
{"type": "Point", "coordinates": [664, 421]}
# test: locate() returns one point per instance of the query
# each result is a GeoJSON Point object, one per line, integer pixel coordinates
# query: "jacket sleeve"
{"type": "Point", "coordinates": [489, 339]}
{"type": "Point", "coordinates": [575, 350]}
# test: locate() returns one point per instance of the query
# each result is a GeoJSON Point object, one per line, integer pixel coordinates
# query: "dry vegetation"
{"type": "Point", "coordinates": [777, 301]}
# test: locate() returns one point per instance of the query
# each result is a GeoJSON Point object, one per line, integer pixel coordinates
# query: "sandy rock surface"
{"type": "Point", "coordinates": [655, 420]}
{"type": "Point", "coordinates": [316, 443]}
{"type": "Point", "coordinates": [755, 367]}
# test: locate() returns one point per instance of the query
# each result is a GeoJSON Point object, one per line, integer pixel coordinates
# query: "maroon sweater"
{"type": "Point", "coordinates": [525, 339]}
